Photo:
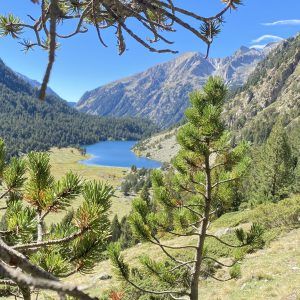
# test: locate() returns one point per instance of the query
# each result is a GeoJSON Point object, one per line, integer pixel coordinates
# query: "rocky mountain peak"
{"type": "Point", "coordinates": [161, 92]}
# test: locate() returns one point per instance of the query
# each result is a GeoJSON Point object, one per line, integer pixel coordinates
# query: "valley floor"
{"type": "Point", "coordinates": [270, 273]}
{"type": "Point", "coordinates": [68, 159]}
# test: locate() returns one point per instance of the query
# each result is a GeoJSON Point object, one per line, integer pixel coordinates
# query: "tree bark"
{"type": "Point", "coordinates": [39, 227]}
{"type": "Point", "coordinates": [25, 290]}
{"type": "Point", "coordinates": [202, 233]}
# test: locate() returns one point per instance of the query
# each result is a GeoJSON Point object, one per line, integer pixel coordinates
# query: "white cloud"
{"type": "Point", "coordinates": [258, 46]}
{"type": "Point", "coordinates": [267, 37]}
{"type": "Point", "coordinates": [283, 23]}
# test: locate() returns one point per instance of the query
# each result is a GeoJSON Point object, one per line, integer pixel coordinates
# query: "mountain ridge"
{"type": "Point", "coordinates": [160, 93]}
{"type": "Point", "coordinates": [271, 93]}
{"type": "Point", "coordinates": [28, 123]}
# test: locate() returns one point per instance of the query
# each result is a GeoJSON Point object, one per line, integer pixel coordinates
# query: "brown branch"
{"type": "Point", "coordinates": [50, 242]}
{"type": "Point", "coordinates": [182, 265]}
{"type": "Point", "coordinates": [22, 279]}
{"type": "Point", "coordinates": [173, 247]}
{"type": "Point", "coordinates": [223, 181]}
{"type": "Point", "coordinates": [12, 257]}
{"type": "Point", "coordinates": [136, 37]}
{"type": "Point", "coordinates": [166, 252]}
{"type": "Point", "coordinates": [216, 278]}
{"type": "Point", "coordinates": [152, 291]}
{"type": "Point", "coordinates": [4, 194]}
{"type": "Point", "coordinates": [52, 47]}
{"type": "Point", "coordinates": [4, 232]}
{"type": "Point", "coordinates": [7, 282]}
{"type": "Point", "coordinates": [220, 263]}
{"type": "Point", "coordinates": [225, 243]}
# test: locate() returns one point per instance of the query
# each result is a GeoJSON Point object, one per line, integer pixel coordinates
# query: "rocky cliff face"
{"type": "Point", "coordinates": [161, 92]}
{"type": "Point", "coordinates": [272, 92]}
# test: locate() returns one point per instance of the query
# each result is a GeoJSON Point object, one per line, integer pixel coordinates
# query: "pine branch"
{"type": "Point", "coordinates": [225, 243]}
{"type": "Point", "coordinates": [182, 234]}
{"type": "Point", "coordinates": [12, 257]}
{"type": "Point", "coordinates": [182, 265]}
{"type": "Point", "coordinates": [173, 247]}
{"type": "Point", "coordinates": [50, 242]}
{"type": "Point", "coordinates": [167, 253]}
{"type": "Point", "coordinates": [216, 278]}
{"type": "Point", "coordinates": [220, 263]}
{"type": "Point", "coordinates": [4, 194]}
{"type": "Point", "coordinates": [192, 210]}
{"type": "Point", "coordinates": [7, 282]}
{"type": "Point", "coordinates": [22, 279]}
{"type": "Point", "coordinates": [223, 181]}
{"type": "Point", "coordinates": [153, 291]}
{"type": "Point", "coordinates": [217, 165]}
{"type": "Point", "coordinates": [5, 232]}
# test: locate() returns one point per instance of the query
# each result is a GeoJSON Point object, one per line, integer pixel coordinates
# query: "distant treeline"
{"type": "Point", "coordinates": [27, 123]}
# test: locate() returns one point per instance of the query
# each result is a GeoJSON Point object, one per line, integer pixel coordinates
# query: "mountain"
{"type": "Point", "coordinates": [72, 104]}
{"type": "Point", "coordinates": [272, 92]}
{"type": "Point", "coordinates": [28, 123]}
{"type": "Point", "coordinates": [161, 92]}
{"type": "Point", "coordinates": [35, 84]}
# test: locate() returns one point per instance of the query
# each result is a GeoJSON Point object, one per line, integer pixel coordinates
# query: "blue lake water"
{"type": "Point", "coordinates": [117, 154]}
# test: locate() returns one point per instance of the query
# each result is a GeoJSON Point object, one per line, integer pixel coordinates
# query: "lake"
{"type": "Point", "coordinates": [117, 154]}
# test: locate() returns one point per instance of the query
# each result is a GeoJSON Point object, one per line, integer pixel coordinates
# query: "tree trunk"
{"type": "Point", "coordinates": [39, 227]}
{"type": "Point", "coordinates": [202, 231]}
{"type": "Point", "coordinates": [25, 290]}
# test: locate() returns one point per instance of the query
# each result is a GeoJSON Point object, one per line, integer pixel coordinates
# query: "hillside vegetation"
{"type": "Point", "coordinates": [30, 124]}
{"type": "Point", "coordinates": [263, 273]}
{"type": "Point", "coordinates": [271, 92]}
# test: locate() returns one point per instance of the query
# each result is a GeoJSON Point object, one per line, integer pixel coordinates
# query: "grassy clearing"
{"type": "Point", "coordinates": [66, 159]}
{"type": "Point", "coordinates": [269, 273]}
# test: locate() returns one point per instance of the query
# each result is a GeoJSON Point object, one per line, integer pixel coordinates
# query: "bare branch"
{"type": "Point", "coordinates": [27, 280]}
{"type": "Point", "coordinates": [223, 181]}
{"type": "Point", "coordinates": [220, 263]}
{"type": "Point", "coordinates": [216, 278]}
{"type": "Point", "coordinates": [225, 243]}
{"type": "Point", "coordinates": [50, 242]}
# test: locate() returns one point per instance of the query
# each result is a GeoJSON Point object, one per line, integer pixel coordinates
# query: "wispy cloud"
{"type": "Point", "coordinates": [283, 23]}
{"type": "Point", "coordinates": [267, 37]}
{"type": "Point", "coordinates": [258, 46]}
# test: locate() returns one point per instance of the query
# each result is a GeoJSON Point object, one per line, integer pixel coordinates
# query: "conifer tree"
{"type": "Point", "coordinates": [273, 173]}
{"type": "Point", "coordinates": [145, 195]}
{"type": "Point", "coordinates": [116, 230]}
{"type": "Point", "coordinates": [35, 254]}
{"type": "Point", "coordinates": [189, 199]}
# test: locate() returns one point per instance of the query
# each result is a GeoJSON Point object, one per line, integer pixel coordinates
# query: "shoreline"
{"type": "Point", "coordinates": [88, 157]}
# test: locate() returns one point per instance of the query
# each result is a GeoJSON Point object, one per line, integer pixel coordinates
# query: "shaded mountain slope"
{"type": "Point", "coordinates": [30, 124]}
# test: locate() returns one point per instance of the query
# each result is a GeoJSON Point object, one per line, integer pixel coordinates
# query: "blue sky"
{"type": "Point", "coordinates": [82, 64]}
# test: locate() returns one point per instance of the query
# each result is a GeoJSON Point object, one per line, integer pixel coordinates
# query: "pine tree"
{"type": "Point", "coordinates": [44, 253]}
{"type": "Point", "coordinates": [189, 199]}
{"type": "Point", "coordinates": [145, 195]}
{"type": "Point", "coordinates": [274, 168]}
{"type": "Point", "coordinates": [115, 229]}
